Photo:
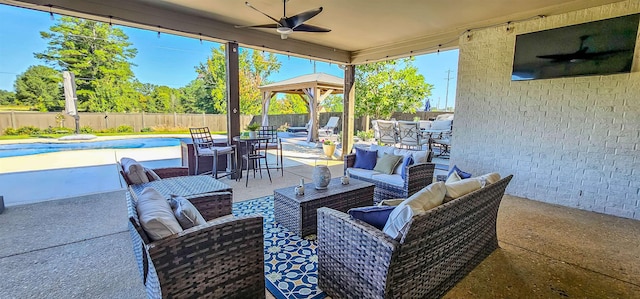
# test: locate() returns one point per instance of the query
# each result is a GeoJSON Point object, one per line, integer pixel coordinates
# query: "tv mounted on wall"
{"type": "Point", "coordinates": [594, 48]}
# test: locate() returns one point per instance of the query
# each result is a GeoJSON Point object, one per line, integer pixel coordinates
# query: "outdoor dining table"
{"type": "Point", "coordinates": [244, 145]}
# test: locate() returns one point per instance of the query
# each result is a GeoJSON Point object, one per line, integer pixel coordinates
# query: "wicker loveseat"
{"type": "Point", "coordinates": [356, 260]}
{"type": "Point", "coordinates": [418, 175]}
{"type": "Point", "coordinates": [223, 258]}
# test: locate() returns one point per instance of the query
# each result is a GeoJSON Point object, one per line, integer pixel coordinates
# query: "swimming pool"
{"type": "Point", "coordinates": [24, 149]}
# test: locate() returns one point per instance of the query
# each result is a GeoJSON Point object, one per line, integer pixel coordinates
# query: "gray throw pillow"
{"type": "Point", "coordinates": [185, 212]}
{"type": "Point", "coordinates": [387, 163]}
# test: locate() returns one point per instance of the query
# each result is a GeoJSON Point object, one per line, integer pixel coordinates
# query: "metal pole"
{"type": "Point", "coordinates": [446, 99]}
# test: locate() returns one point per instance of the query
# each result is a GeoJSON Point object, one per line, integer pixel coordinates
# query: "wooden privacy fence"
{"type": "Point", "coordinates": [215, 122]}
{"type": "Point", "coordinates": [102, 121]}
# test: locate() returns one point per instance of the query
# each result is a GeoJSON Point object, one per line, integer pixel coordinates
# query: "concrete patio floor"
{"type": "Point", "coordinates": [80, 247]}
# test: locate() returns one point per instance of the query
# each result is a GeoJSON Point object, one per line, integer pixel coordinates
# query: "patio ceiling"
{"type": "Point", "coordinates": [361, 30]}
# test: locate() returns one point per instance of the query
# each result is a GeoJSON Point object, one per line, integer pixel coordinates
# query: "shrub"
{"type": "Point", "coordinates": [124, 129]}
{"type": "Point", "coordinates": [10, 131]}
{"type": "Point", "coordinates": [108, 130]}
{"type": "Point", "coordinates": [60, 130]}
{"type": "Point", "coordinates": [86, 130]}
{"type": "Point", "coordinates": [365, 135]}
{"type": "Point", "coordinates": [28, 130]}
{"type": "Point", "coordinates": [146, 130]}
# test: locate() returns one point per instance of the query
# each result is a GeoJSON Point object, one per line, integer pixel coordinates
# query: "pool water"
{"type": "Point", "coordinates": [24, 149]}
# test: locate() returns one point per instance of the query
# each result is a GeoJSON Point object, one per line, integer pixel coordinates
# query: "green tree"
{"type": "Point", "coordinates": [40, 87]}
{"type": "Point", "coordinates": [194, 97]}
{"type": "Point", "coordinates": [389, 86]}
{"type": "Point", "coordinates": [333, 103]}
{"type": "Point", "coordinates": [7, 97]}
{"type": "Point", "coordinates": [99, 55]}
{"type": "Point", "coordinates": [290, 104]}
{"type": "Point", "coordinates": [254, 66]}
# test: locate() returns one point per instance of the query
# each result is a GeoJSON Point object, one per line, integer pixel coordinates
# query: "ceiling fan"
{"type": "Point", "coordinates": [287, 25]}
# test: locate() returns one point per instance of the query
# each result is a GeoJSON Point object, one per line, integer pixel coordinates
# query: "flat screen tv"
{"type": "Point", "coordinates": [594, 48]}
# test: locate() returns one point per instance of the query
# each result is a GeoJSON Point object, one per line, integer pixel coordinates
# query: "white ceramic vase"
{"type": "Point", "coordinates": [253, 134]}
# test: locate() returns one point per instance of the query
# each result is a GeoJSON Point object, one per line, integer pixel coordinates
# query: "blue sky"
{"type": "Point", "coordinates": [170, 60]}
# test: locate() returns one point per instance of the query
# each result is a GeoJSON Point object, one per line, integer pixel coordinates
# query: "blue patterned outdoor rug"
{"type": "Point", "coordinates": [290, 262]}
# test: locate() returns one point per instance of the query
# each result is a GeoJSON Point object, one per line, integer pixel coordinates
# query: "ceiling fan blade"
{"type": "Point", "coordinates": [310, 28]}
{"type": "Point", "coordinates": [297, 20]}
{"type": "Point", "coordinates": [258, 26]}
{"type": "Point", "coordinates": [268, 16]}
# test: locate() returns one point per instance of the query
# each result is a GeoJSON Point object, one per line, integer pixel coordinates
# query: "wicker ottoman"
{"type": "Point", "coordinates": [298, 213]}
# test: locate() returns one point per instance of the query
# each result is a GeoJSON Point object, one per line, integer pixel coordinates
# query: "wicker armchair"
{"type": "Point", "coordinates": [418, 176]}
{"type": "Point", "coordinates": [356, 260]}
{"type": "Point", "coordinates": [223, 258]}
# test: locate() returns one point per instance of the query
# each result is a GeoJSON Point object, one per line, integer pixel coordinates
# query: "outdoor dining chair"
{"type": "Point", "coordinates": [409, 135]}
{"type": "Point", "coordinates": [205, 147]}
{"type": "Point", "coordinates": [387, 132]}
{"type": "Point", "coordinates": [273, 143]}
{"type": "Point", "coordinates": [252, 157]}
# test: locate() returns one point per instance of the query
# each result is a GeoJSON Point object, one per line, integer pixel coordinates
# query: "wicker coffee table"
{"type": "Point", "coordinates": [298, 213]}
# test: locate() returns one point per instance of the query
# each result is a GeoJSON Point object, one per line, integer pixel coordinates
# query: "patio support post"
{"type": "Point", "coordinates": [233, 95]}
{"type": "Point", "coordinates": [348, 112]}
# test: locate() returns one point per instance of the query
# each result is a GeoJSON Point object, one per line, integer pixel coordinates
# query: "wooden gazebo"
{"type": "Point", "coordinates": [316, 87]}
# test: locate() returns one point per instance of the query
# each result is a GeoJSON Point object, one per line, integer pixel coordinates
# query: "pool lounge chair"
{"type": "Point", "coordinates": [304, 129]}
{"type": "Point", "coordinates": [330, 127]}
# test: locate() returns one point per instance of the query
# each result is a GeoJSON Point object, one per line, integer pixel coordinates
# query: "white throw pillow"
{"type": "Point", "coordinates": [418, 156]}
{"type": "Point", "coordinates": [155, 215]}
{"type": "Point", "coordinates": [490, 178]}
{"type": "Point", "coordinates": [134, 171]}
{"type": "Point", "coordinates": [454, 177]}
{"type": "Point", "coordinates": [185, 212]}
{"type": "Point", "coordinates": [429, 197]}
{"type": "Point", "coordinates": [462, 187]}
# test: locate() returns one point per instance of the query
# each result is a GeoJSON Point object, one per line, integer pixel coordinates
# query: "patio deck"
{"type": "Point", "coordinates": [80, 247]}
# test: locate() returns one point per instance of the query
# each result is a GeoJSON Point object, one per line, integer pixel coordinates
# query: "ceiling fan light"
{"type": "Point", "coordinates": [284, 30]}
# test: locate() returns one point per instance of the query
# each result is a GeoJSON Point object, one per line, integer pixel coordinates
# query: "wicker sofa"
{"type": "Point", "coordinates": [223, 258]}
{"type": "Point", "coordinates": [439, 249]}
{"type": "Point", "coordinates": [418, 175]}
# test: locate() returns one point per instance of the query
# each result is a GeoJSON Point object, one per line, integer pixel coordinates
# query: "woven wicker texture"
{"type": "Point", "coordinates": [298, 213]}
{"type": "Point", "coordinates": [171, 172]}
{"type": "Point", "coordinates": [186, 185]}
{"type": "Point", "coordinates": [223, 258]}
{"type": "Point", "coordinates": [418, 176]}
{"type": "Point", "coordinates": [356, 260]}
{"type": "Point", "coordinates": [202, 190]}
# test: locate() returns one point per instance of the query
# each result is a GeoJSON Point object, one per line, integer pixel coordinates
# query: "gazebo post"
{"type": "Point", "coordinates": [266, 100]}
{"type": "Point", "coordinates": [348, 112]}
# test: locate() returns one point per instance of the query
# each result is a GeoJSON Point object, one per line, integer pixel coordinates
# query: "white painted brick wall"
{"type": "Point", "coordinates": [568, 141]}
